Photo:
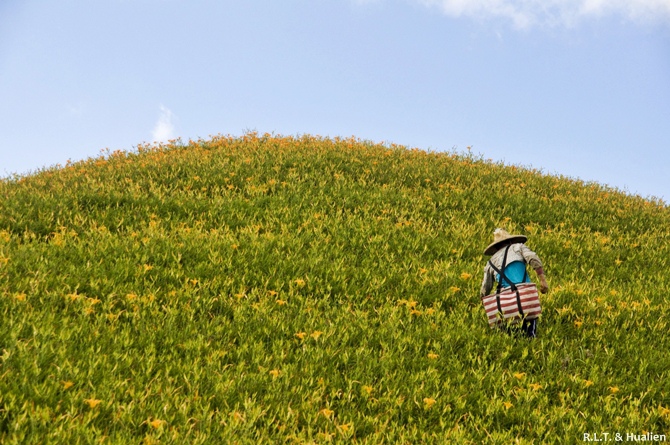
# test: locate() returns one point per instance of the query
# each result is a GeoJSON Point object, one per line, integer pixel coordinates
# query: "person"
{"type": "Point", "coordinates": [518, 255]}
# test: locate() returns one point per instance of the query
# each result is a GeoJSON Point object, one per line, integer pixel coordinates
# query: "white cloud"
{"type": "Point", "coordinates": [527, 13]}
{"type": "Point", "coordinates": [164, 128]}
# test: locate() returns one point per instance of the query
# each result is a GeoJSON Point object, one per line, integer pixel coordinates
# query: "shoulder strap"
{"type": "Point", "coordinates": [501, 274]}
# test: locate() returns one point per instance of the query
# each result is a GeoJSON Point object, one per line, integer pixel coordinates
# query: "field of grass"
{"type": "Point", "coordinates": [268, 289]}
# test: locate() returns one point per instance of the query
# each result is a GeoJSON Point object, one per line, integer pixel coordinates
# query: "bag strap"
{"type": "Point", "coordinates": [501, 276]}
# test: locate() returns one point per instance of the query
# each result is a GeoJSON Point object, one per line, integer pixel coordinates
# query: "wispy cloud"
{"type": "Point", "coordinates": [524, 14]}
{"type": "Point", "coordinates": [164, 128]}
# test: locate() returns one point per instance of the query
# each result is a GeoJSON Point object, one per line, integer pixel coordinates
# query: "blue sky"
{"type": "Point", "coordinates": [579, 88]}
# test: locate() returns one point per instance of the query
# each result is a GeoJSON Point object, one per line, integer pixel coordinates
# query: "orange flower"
{"type": "Point", "coordinates": [92, 403]}
{"type": "Point", "coordinates": [345, 427]}
{"type": "Point", "coordinates": [428, 402]}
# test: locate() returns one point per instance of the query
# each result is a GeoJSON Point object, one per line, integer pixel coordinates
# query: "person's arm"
{"type": "Point", "coordinates": [487, 282]}
{"type": "Point", "coordinates": [534, 260]}
{"type": "Point", "coordinates": [544, 287]}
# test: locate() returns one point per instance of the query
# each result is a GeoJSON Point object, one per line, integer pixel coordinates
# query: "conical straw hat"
{"type": "Point", "coordinates": [500, 236]}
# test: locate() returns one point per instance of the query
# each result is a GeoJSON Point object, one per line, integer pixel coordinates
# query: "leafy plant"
{"type": "Point", "coordinates": [304, 289]}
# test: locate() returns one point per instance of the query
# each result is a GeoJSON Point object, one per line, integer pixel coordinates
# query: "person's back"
{"type": "Point", "coordinates": [511, 252]}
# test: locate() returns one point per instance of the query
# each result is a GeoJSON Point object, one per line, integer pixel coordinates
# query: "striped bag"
{"type": "Point", "coordinates": [511, 304]}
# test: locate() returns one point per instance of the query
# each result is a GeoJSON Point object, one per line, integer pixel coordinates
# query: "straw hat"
{"type": "Point", "coordinates": [501, 236]}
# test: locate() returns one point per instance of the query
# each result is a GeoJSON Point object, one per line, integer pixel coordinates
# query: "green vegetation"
{"type": "Point", "coordinates": [269, 289]}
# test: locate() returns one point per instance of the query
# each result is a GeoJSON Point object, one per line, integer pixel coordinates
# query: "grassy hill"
{"type": "Point", "coordinates": [293, 290]}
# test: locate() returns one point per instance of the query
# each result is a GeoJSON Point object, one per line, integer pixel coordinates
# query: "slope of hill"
{"type": "Point", "coordinates": [266, 289]}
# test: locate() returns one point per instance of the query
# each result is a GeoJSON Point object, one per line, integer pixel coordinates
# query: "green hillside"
{"type": "Point", "coordinates": [267, 289]}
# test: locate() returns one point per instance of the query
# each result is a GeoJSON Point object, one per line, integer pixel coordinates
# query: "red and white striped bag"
{"type": "Point", "coordinates": [512, 304]}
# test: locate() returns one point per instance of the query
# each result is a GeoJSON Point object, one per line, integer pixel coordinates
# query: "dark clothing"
{"type": "Point", "coordinates": [528, 328]}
